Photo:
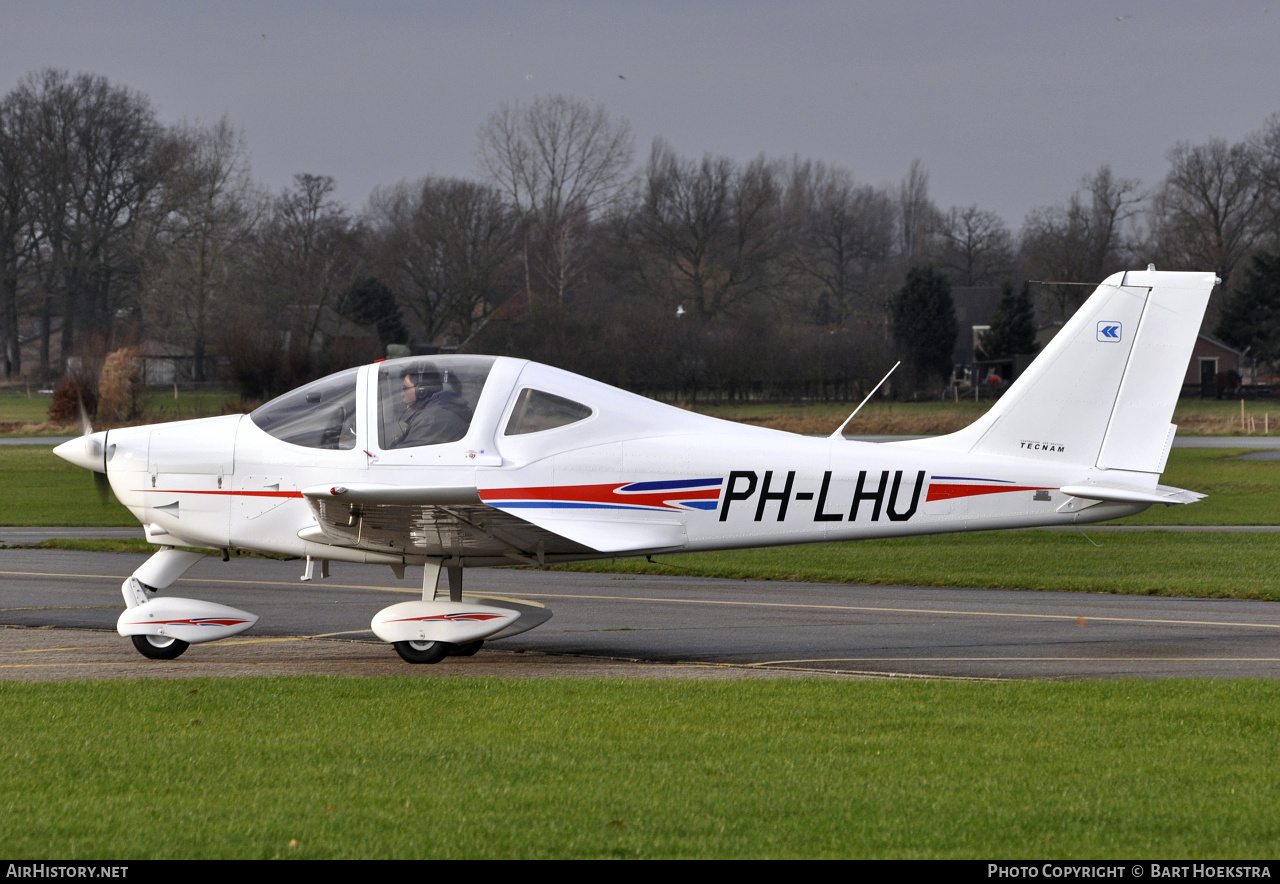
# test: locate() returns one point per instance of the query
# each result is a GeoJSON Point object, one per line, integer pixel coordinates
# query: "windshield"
{"type": "Point", "coordinates": [428, 400]}
{"type": "Point", "coordinates": [320, 415]}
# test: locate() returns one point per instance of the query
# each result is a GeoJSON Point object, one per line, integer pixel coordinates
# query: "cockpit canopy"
{"type": "Point", "coordinates": [428, 400]}
{"type": "Point", "coordinates": [420, 401]}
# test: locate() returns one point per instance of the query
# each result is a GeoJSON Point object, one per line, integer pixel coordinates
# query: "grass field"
{"type": "Point", "coordinates": [420, 767]}
{"type": "Point", "coordinates": [160, 405]}
{"type": "Point", "coordinates": [27, 415]}
{"type": "Point", "coordinates": [1241, 492]}
{"type": "Point", "coordinates": [1194, 417]}
{"type": "Point", "coordinates": [43, 490]}
{"type": "Point", "coordinates": [448, 768]}
{"type": "Point", "coordinates": [1239, 566]}
{"type": "Point", "coordinates": [20, 405]}
{"type": "Point", "coordinates": [1144, 563]}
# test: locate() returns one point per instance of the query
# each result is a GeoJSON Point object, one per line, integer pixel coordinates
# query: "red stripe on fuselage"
{"type": "Point", "coordinates": [600, 494]}
{"type": "Point", "coordinates": [229, 493]}
{"type": "Point", "coordinates": [948, 492]}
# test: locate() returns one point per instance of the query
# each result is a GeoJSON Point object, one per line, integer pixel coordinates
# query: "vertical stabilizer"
{"type": "Point", "coordinates": [1103, 391]}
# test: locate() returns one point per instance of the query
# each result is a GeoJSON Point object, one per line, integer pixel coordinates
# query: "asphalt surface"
{"type": "Point", "coordinates": [628, 625]}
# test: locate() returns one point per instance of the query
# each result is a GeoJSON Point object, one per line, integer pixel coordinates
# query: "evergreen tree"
{"type": "Point", "coordinates": [371, 302]}
{"type": "Point", "coordinates": [1013, 327]}
{"type": "Point", "coordinates": [924, 323]}
{"type": "Point", "coordinates": [1251, 316]}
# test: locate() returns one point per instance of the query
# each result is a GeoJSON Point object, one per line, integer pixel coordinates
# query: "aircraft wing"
{"type": "Point", "coordinates": [453, 522]}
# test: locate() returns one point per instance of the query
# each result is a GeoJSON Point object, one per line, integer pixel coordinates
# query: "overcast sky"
{"type": "Point", "coordinates": [1007, 103]}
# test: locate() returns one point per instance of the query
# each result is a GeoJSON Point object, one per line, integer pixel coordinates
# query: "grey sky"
{"type": "Point", "coordinates": [1007, 104]}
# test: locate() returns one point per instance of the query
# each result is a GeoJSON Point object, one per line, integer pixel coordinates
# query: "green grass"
{"type": "Point", "coordinates": [159, 405]}
{"type": "Point", "coordinates": [445, 768]}
{"type": "Point", "coordinates": [117, 545]}
{"type": "Point", "coordinates": [42, 489]}
{"type": "Point", "coordinates": [1147, 563]}
{"type": "Point", "coordinates": [1241, 492]}
{"type": "Point", "coordinates": [1227, 408]}
{"type": "Point", "coordinates": [17, 406]}
{"type": "Point", "coordinates": [156, 405]}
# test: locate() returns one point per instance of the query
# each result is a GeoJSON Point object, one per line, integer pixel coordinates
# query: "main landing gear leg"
{"type": "Point", "coordinates": [455, 595]}
{"type": "Point", "coordinates": [435, 651]}
{"type": "Point", "coordinates": [424, 651]}
{"type": "Point", "coordinates": [455, 582]}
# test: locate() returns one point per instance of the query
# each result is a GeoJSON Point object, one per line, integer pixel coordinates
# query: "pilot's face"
{"type": "Point", "coordinates": [408, 392]}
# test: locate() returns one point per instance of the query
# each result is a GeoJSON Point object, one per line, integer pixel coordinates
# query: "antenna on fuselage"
{"type": "Point", "coordinates": [838, 433]}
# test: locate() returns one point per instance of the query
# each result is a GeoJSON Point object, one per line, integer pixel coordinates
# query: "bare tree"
{"type": "Point", "coordinates": [1265, 147]}
{"type": "Point", "coordinates": [210, 210]}
{"type": "Point", "coordinates": [917, 214]}
{"type": "Point", "coordinates": [842, 232]}
{"type": "Point", "coordinates": [706, 234]}
{"type": "Point", "coordinates": [977, 248]}
{"type": "Point", "coordinates": [308, 255]}
{"type": "Point", "coordinates": [1211, 209]}
{"type": "Point", "coordinates": [98, 157]}
{"type": "Point", "coordinates": [560, 161]}
{"type": "Point", "coordinates": [1084, 239]}
{"type": "Point", "coordinates": [15, 244]}
{"type": "Point", "coordinates": [447, 246]}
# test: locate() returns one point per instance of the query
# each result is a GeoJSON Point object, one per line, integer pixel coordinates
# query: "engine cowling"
{"type": "Point", "coordinates": [189, 620]}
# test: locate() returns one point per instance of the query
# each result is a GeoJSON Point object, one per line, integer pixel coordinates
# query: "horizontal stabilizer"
{"type": "Point", "coordinates": [1120, 494]}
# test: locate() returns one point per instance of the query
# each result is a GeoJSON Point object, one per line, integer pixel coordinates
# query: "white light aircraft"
{"type": "Point", "coordinates": [447, 462]}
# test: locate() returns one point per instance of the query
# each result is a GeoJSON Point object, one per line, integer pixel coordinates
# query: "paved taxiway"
{"type": "Point", "coordinates": [663, 623]}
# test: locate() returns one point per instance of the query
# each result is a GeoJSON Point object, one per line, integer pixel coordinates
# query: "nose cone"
{"type": "Point", "coordinates": [86, 451]}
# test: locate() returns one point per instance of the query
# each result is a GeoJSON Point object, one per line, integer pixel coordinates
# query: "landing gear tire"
{"type": "Point", "coordinates": [423, 652]}
{"type": "Point", "coordinates": [159, 647]}
{"type": "Point", "coordinates": [466, 650]}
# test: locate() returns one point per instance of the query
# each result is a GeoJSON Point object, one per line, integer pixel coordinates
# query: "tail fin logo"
{"type": "Point", "coordinates": [1109, 331]}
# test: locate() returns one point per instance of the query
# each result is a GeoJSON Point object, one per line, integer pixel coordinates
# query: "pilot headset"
{"type": "Point", "coordinates": [420, 389]}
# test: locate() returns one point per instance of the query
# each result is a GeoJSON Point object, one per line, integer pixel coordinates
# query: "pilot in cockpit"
{"type": "Point", "coordinates": [435, 412]}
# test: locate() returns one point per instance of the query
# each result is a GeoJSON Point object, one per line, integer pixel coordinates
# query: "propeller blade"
{"type": "Point", "coordinates": [85, 427]}
{"type": "Point", "coordinates": [103, 486]}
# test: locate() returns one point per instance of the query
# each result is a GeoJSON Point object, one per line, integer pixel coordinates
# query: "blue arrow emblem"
{"type": "Point", "coordinates": [1110, 331]}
